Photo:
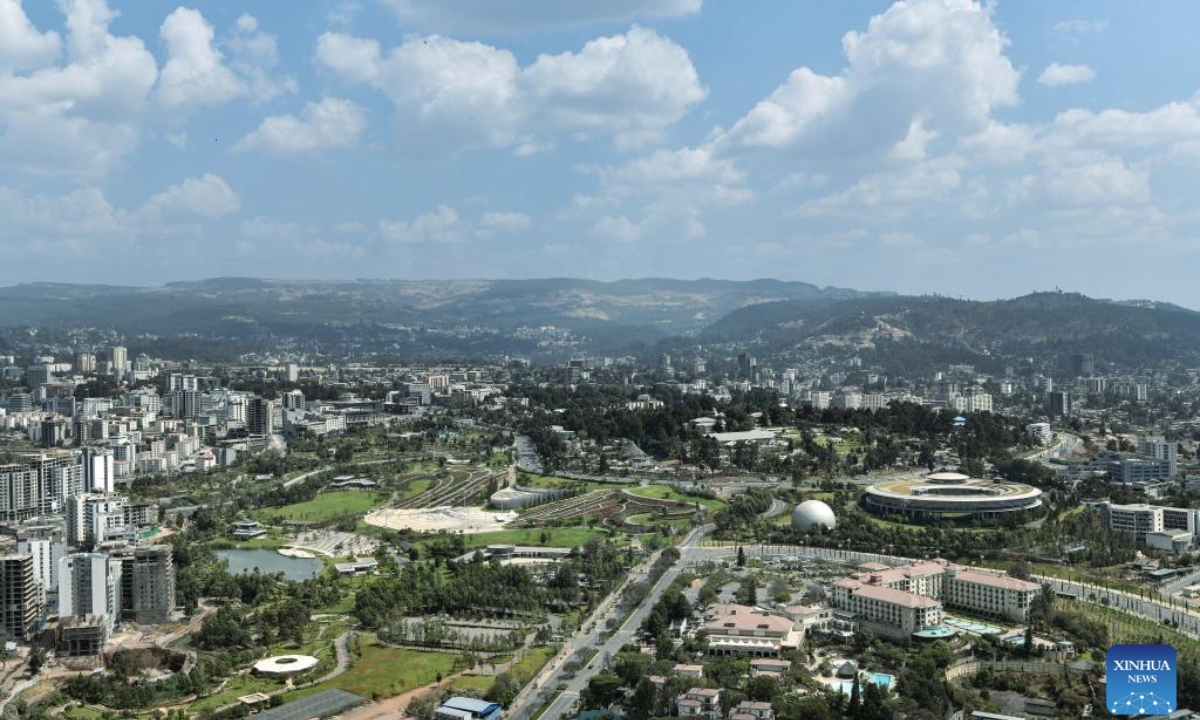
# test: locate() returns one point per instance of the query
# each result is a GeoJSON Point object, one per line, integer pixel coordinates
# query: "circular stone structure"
{"type": "Point", "coordinates": [949, 494]}
{"type": "Point", "coordinates": [285, 665]}
{"type": "Point", "coordinates": [812, 515]}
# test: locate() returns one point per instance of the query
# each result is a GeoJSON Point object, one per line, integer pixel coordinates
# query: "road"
{"type": "Point", "coordinates": [589, 640]}
{"type": "Point", "coordinates": [1187, 621]}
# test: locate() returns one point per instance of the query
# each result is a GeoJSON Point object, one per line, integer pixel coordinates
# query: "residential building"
{"type": "Point", "coordinates": [20, 596]}
{"type": "Point", "coordinates": [147, 584]}
{"type": "Point", "coordinates": [699, 702]}
{"type": "Point", "coordinates": [90, 584]}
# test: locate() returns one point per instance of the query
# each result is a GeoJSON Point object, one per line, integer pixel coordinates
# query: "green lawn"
{"type": "Point", "coordinates": [385, 671]}
{"type": "Point", "coordinates": [531, 663]}
{"type": "Point", "coordinates": [475, 683]}
{"type": "Point", "coordinates": [324, 507]}
{"type": "Point", "coordinates": [238, 686]}
{"type": "Point", "coordinates": [666, 492]}
{"type": "Point", "coordinates": [416, 487]}
{"type": "Point", "coordinates": [652, 520]}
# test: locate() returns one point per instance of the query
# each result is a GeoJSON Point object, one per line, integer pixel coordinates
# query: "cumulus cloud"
{"type": "Point", "coordinates": [195, 73]}
{"type": "Point", "coordinates": [446, 226]}
{"type": "Point", "coordinates": [517, 15]}
{"type": "Point", "coordinates": [329, 123]}
{"type": "Point", "coordinates": [936, 65]}
{"type": "Point", "coordinates": [627, 87]}
{"type": "Point", "coordinates": [255, 57]}
{"type": "Point", "coordinates": [206, 197]}
{"type": "Point", "coordinates": [22, 46]}
{"type": "Point", "coordinates": [1057, 74]}
{"type": "Point", "coordinates": [79, 117]}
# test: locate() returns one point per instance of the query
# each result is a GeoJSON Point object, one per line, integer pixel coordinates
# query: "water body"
{"type": "Point", "coordinates": [244, 560]}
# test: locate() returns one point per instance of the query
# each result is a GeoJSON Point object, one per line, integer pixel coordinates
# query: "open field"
{"type": "Point", "coordinates": [324, 507]}
{"type": "Point", "coordinates": [385, 671]}
{"type": "Point", "coordinates": [665, 492]}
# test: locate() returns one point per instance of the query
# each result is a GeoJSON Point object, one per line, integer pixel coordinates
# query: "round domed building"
{"type": "Point", "coordinates": [813, 515]}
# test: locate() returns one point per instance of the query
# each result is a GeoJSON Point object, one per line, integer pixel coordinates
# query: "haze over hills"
{"type": "Point", "coordinates": [473, 317]}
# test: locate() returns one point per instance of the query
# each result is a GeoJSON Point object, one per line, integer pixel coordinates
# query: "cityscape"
{"type": "Point", "coordinates": [546, 360]}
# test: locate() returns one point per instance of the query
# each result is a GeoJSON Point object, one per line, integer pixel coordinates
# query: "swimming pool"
{"type": "Point", "coordinates": [881, 680]}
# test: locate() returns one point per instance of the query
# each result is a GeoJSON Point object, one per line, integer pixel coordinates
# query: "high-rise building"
{"type": "Point", "coordinates": [90, 584]}
{"type": "Point", "coordinates": [1157, 448]}
{"type": "Point", "coordinates": [1083, 364]}
{"type": "Point", "coordinates": [259, 415]}
{"type": "Point", "coordinates": [292, 372]}
{"type": "Point", "coordinates": [93, 518]}
{"type": "Point", "coordinates": [85, 363]}
{"type": "Point", "coordinates": [98, 468]}
{"type": "Point", "coordinates": [1058, 403]}
{"type": "Point", "coordinates": [39, 375]}
{"type": "Point", "coordinates": [46, 553]}
{"type": "Point", "coordinates": [19, 498]}
{"type": "Point", "coordinates": [746, 365]}
{"type": "Point", "coordinates": [292, 400]}
{"type": "Point", "coordinates": [148, 584]}
{"type": "Point", "coordinates": [20, 596]}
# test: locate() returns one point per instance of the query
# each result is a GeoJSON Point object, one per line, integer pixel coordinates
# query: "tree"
{"type": "Point", "coordinates": [641, 705]}
{"type": "Point", "coordinates": [37, 659]}
{"type": "Point", "coordinates": [741, 557]}
{"type": "Point", "coordinates": [602, 691]}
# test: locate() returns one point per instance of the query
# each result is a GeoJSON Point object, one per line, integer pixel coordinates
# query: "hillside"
{"type": "Point", "coordinates": [454, 317]}
{"type": "Point", "coordinates": [1037, 324]}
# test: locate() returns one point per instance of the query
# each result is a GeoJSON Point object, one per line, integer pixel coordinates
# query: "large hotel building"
{"type": "Point", "coordinates": [899, 601]}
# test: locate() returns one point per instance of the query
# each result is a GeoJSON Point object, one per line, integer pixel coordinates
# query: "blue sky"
{"type": "Point", "coordinates": [921, 146]}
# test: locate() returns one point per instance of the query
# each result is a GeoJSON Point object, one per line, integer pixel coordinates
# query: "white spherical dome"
{"type": "Point", "coordinates": [812, 514]}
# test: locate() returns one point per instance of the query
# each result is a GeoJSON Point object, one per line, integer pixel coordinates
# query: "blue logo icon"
{"type": "Point", "coordinates": [1140, 679]}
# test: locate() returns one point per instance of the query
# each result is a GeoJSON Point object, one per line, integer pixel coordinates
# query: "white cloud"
{"type": "Point", "coordinates": [329, 123]}
{"type": "Point", "coordinates": [206, 197]}
{"type": "Point", "coordinates": [892, 194]}
{"type": "Point", "coordinates": [505, 221]}
{"type": "Point", "coordinates": [355, 59]}
{"type": "Point", "coordinates": [1058, 74]}
{"type": "Point", "coordinates": [1074, 30]}
{"type": "Point", "coordinates": [936, 65]}
{"type": "Point", "coordinates": [517, 15]}
{"type": "Point", "coordinates": [440, 226]}
{"type": "Point", "coordinates": [195, 73]}
{"type": "Point", "coordinates": [22, 46]}
{"type": "Point", "coordinates": [255, 56]}
{"type": "Point", "coordinates": [457, 94]}
{"type": "Point", "coordinates": [634, 85]}
{"type": "Point", "coordinates": [78, 118]}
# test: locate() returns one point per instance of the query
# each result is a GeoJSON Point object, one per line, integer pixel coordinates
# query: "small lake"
{"type": "Point", "coordinates": [244, 560]}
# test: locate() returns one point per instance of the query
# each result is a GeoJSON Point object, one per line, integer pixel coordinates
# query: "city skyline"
{"type": "Point", "coordinates": [929, 146]}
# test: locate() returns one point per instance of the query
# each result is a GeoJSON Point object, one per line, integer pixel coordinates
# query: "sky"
{"type": "Point", "coordinates": [968, 149]}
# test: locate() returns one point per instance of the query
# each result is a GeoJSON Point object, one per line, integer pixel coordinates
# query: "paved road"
{"type": "Point", "coordinates": [590, 639]}
{"type": "Point", "coordinates": [1187, 620]}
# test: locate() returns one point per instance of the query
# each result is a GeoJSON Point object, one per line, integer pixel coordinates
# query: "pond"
{"type": "Point", "coordinates": [244, 560]}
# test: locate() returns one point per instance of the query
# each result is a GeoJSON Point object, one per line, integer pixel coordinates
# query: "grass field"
{"type": "Point", "coordinates": [416, 487]}
{"type": "Point", "coordinates": [385, 671]}
{"type": "Point", "coordinates": [666, 492]}
{"type": "Point", "coordinates": [528, 666]}
{"type": "Point", "coordinates": [325, 507]}
{"type": "Point", "coordinates": [651, 520]}
{"type": "Point", "coordinates": [238, 686]}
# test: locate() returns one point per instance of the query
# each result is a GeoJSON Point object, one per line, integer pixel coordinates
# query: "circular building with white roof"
{"type": "Point", "coordinates": [951, 495]}
{"type": "Point", "coordinates": [285, 665]}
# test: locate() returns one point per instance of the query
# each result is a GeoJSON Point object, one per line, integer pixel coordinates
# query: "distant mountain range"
{"type": "Point", "coordinates": [605, 314]}
{"type": "Point", "coordinates": [478, 317]}
{"type": "Point", "coordinates": [1129, 333]}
